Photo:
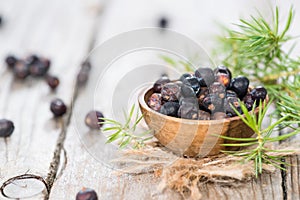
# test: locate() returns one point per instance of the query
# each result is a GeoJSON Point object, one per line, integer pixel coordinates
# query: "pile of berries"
{"type": "Point", "coordinates": [205, 94]}
{"type": "Point", "coordinates": [33, 65]}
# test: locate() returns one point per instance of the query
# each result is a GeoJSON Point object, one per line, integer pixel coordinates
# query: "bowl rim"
{"type": "Point", "coordinates": [142, 102]}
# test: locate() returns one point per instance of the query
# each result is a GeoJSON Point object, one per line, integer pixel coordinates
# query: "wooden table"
{"type": "Point", "coordinates": [58, 151]}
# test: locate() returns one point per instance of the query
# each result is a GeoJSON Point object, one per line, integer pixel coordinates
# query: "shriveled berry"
{"type": "Point", "coordinates": [184, 76]}
{"type": "Point", "coordinates": [21, 70]}
{"type": "Point", "coordinates": [52, 81]}
{"type": "Point", "coordinates": [170, 92]}
{"type": "Point", "coordinates": [224, 79]}
{"type": "Point", "coordinates": [193, 83]}
{"type": "Point", "coordinates": [93, 119]}
{"type": "Point", "coordinates": [202, 115]}
{"type": "Point", "coordinates": [222, 70]}
{"type": "Point", "coordinates": [212, 103]}
{"type": "Point", "coordinates": [86, 194]}
{"type": "Point", "coordinates": [240, 85]}
{"type": "Point", "coordinates": [187, 91]}
{"type": "Point", "coordinates": [219, 116]}
{"type": "Point", "coordinates": [258, 94]}
{"type": "Point", "coordinates": [159, 84]}
{"type": "Point", "coordinates": [6, 128]}
{"type": "Point", "coordinates": [248, 101]}
{"type": "Point", "coordinates": [58, 107]}
{"type": "Point", "coordinates": [11, 61]}
{"type": "Point", "coordinates": [232, 101]}
{"type": "Point", "coordinates": [170, 109]}
{"type": "Point", "coordinates": [217, 89]}
{"type": "Point", "coordinates": [188, 111]}
{"type": "Point", "coordinates": [155, 102]}
{"type": "Point", "coordinates": [205, 76]}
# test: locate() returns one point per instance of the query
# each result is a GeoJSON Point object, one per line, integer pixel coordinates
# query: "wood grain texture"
{"type": "Point", "coordinates": [51, 29]}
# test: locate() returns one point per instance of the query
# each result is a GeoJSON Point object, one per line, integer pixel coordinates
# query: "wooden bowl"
{"type": "Point", "coordinates": [192, 138]}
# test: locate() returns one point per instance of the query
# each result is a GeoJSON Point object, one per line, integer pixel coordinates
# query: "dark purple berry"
{"type": "Point", "coordinates": [21, 70]}
{"type": "Point", "coordinates": [203, 92]}
{"type": "Point", "coordinates": [184, 76]}
{"type": "Point", "coordinates": [205, 76]}
{"type": "Point", "coordinates": [86, 194]}
{"type": "Point", "coordinates": [222, 70]}
{"type": "Point", "coordinates": [232, 101]}
{"type": "Point", "coordinates": [170, 109]}
{"type": "Point", "coordinates": [11, 61]}
{"type": "Point", "coordinates": [159, 84]}
{"type": "Point", "coordinates": [170, 92]}
{"type": "Point", "coordinates": [187, 91]}
{"type": "Point", "coordinates": [6, 128]}
{"type": "Point", "coordinates": [86, 65]}
{"type": "Point", "coordinates": [240, 85]}
{"type": "Point", "coordinates": [248, 101]}
{"type": "Point", "coordinates": [155, 102]}
{"type": "Point", "coordinates": [258, 94]}
{"type": "Point", "coordinates": [93, 119]}
{"type": "Point", "coordinates": [203, 115]}
{"type": "Point", "coordinates": [217, 89]}
{"type": "Point", "coordinates": [46, 63]}
{"type": "Point", "coordinates": [188, 111]}
{"type": "Point", "coordinates": [224, 79]}
{"type": "Point", "coordinates": [212, 103]}
{"type": "Point", "coordinates": [38, 69]}
{"type": "Point", "coordinates": [58, 107]}
{"type": "Point", "coordinates": [219, 116]}
{"type": "Point", "coordinates": [193, 83]}
{"type": "Point", "coordinates": [52, 81]}
{"type": "Point", "coordinates": [163, 22]}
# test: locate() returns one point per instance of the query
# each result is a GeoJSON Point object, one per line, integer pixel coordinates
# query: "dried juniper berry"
{"type": "Point", "coordinates": [232, 101]}
{"type": "Point", "coordinates": [38, 69]}
{"type": "Point", "coordinates": [170, 109]}
{"type": "Point", "coordinates": [163, 22]}
{"type": "Point", "coordinates": [240, 85]}
{"type": "Point", "coordinates": [86, 194]}
{"type": "Point", "coordinates": [21, 70]}
{"type": "Point", "coordinates": [187, 91]}
{"type": "Point", "coordinates": [93, 119]}
{"type": "Point", "coordinates": [188, 111]}
{"type": "Point", "coordinates": [222, 70]}
{"type": "Point", "coordinates": [58, 107]}
{"type": "Point", "coordinates": [11, 61]}
{"type": "Point", "coordinates": [52, 81]}
{"type": "Point", "coordinates": [218, 116]}
{"type": "Point", "coordinates": [258, 94]}
{"type": "Point", "coordinates": [218, 89]}
{"type": "Point", "coordinates": [6, 128]}
{"type": "Point", "coordinates": [170, 92]}
{"type": "Point", "coordinates": [159, 84]}
{"type": "Point", "coordinates": [205, 76]}
{"type": "Point", "coordinates": [193, 83]}
{"type": "Point", "coordinates": [212, 103]}
{"type": "Point", "coordinates": [184, 76]}
{"type": "Point", "coordinates": [155, 102]}
{"type": "Point", "coordinates": [32, 59]}
{"type": "Point", "coordinates": [248, 101]}
{"type": "Point", "coordinates": [203, 115]}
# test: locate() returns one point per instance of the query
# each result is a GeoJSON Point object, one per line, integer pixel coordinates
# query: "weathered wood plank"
{"type": "Point", "coordinates": [60, 30]}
